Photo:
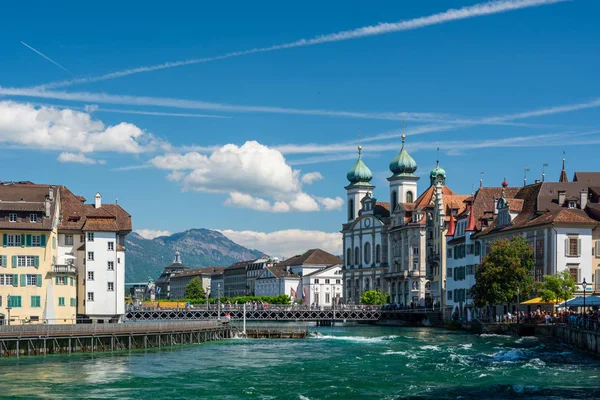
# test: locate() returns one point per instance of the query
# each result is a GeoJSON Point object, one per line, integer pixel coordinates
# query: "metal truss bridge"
{"type": "Point", "coordinates": [283, 314]}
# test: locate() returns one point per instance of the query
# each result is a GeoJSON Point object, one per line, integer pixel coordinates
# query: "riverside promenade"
{"type": "Point", "coordinates": [31, 340]}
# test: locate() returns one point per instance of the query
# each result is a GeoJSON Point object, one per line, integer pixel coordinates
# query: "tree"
{"type": "Point", "coordinates": [194, 290]}
{"type": "Point", "coordinates": [373, 297]}
{"type": "Point", "coordinates": [557, 287]}
{"type": "Point", "coordinates": [505, 273]}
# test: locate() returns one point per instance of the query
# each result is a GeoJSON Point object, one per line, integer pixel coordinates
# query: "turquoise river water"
{"type": "Point", "coordinates": [342, 362]}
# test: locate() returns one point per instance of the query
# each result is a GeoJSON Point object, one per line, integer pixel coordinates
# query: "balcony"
{"type": "Point", "coordinates": [64, 269]}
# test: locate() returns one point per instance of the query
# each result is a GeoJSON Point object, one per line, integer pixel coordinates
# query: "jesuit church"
{"type": "Point", "coordinates": [397, 247]}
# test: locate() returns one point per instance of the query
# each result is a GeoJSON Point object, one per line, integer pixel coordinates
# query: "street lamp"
{"type": "Point", "coordinates": [566, 300]}
{"type": "Point", "coordinates": [219, 301]}
{"type": "Point", "coordinates": [584, 285]}
{"type": "Point", "coordinates": [8, 307]}
{"type": "Point", "coordinates": [518, 303]}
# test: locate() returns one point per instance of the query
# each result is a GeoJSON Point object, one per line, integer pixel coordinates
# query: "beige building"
{"type": "Point", "coordinates": [32, 288]}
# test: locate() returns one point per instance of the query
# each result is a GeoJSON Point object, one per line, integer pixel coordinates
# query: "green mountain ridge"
{"type": "Point", "coordinates": [146, 258]}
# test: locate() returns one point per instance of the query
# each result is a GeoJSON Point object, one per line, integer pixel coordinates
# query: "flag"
{"type": "Point", "coordinates": [294, 294]}
{"type": "Point", "coordinates": [305, 291]}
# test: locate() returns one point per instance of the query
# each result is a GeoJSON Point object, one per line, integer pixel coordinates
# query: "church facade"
{"type": "Point", "coordinates": [396, 247]}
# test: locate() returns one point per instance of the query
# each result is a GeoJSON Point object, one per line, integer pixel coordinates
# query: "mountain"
{"type": "Point", "coordinates": [198, 248]}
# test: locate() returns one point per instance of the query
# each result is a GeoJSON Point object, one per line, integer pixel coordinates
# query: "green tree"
{"type": "Point", "coordinates": [557, 287]}
{"type": "Point", "coordinates": [505, 273]}
{"type": "Point", "coordinates": [373, 297]}
{"type": "Point", "coordinates": [194, 290]}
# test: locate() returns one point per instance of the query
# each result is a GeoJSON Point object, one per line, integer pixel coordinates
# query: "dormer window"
{"type": "Point", "coordinates": [12, 217]}
{"type": "Point", "coordinates": [33, 218]}
{"type": "Point", "coordinates": [572, 204]}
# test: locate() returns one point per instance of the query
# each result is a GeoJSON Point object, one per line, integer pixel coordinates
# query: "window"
{"type": "Point", "coordinates": [32, 280]}
{"type": "Point", "coordinates": [90, 275]}
{"type": "Point", "coordinates": [326, 297]}
{"type": "Point", "coordinates": [316, 281]}
{"type": "Point", "coordinates": [471, 269]}
{"type": "Point", "coordinates": [69, 240]}
{"type": "Point", "coordinates": [90, 256]}
{"type": "Point", "coordinates": [61, 280]}
{"type": "Point", "coordinates": [449, 272]}
{"type": "Point", "coordinates": [367, 253]}
{"type": "Point", "coordinates": [3, 261]}
{"type": "Point", "coordinates": [356, 256]}
{"type": "Point", "coordinates": [13, 240]}
{"type": "Point", "coordinates": [12, 217]}
{"type": "Point", "coordinates": [409, 197]}
{"type": "Point", "coordinates": [477, 248]}
{"type": "Point", "coordinates": [119, 260]}
{"type": "Point", "coordinates": [82, 238]}
{"type": "Point", "coordinates": [572, 204]}
{"type": "Point", "coordinates": [573, 246]}
{"type": "Point", "coordinates": [61, 301]}
{"type": "Point", "coordinates": [350, 209]}
{"type": "Point", "coordinates": [111, 287]}
{"type": "Point", "coordinates": [0, 301]}
{"type": "Point", "coordinates": [415, 251]}
{"type": "Point", "coordinates": [6, 279]}
{"type": "Point", "coordinates": [469, 249]}
{"type": "Point", "coordinates": [574, 271]}
{"type": "Point", "coordinates": [36, 240]}
{"type": "Point", "coordinates": [349, 257]}
{"type": "Point", "coordinates": [111, 246]}
{"type": "Point", "coordinates": [378, 254]}
{"type": "Point", "coordinates": [14, 301]}
{"type": "Point", "coordinates": [90, 236]}
{"type": "Point", "coordinates": [111, 265]}
{"type": "Point", "coordinates": [32, 217]}
{"type": "Point", "coordinates": [449, 252]}
{"type": "Point", "coordinates": [90, 296]}
{"type": "Point", "coordinates": [337, 281]}
{"type": "Point", "coordinates": [26, 261]}
{"type": "Point", "coordinates": [394, 201]}
{"type": "Point", "coordinates": [36, 301]}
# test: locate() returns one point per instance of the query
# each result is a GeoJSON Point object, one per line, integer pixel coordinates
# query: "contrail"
{"type": "Point", "coordinates": [477, 10]}
{"type": "Point", "coordinates": [46, 57]}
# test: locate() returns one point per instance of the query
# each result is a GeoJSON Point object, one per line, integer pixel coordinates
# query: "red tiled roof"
{"type": "Point", "coordinates": [25, 199]}
{"type": "Point", "coordinates": [312, 257]}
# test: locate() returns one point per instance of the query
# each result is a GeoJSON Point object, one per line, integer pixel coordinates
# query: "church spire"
{"type": "Point", "coordinates": [563, 172]}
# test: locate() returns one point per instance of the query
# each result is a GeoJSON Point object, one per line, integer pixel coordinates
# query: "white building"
{"type": "Point", "coordinates": [93, 237]}
{"type": "Point", "coordinates": [325, 287]}
{"type": "Point", "coordinates": [275, 280]}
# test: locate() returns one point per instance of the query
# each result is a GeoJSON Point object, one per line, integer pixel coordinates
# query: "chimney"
{"type": "Point", "coordinates": [50, 193]}
{"type": "Point", "coordinates": [583, 198]}
{"type": "Point", "coordinates": [47, 207]}
{"type": "Point", "coordinates": [98, 200]}
{"type": "Point", "coordinates": [561, 197]}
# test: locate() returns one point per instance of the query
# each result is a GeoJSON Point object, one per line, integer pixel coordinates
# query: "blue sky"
{"type": "Point", "coordinates": [510, 87]}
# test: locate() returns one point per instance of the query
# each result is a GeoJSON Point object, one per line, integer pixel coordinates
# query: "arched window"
{"type": "Point", "coordinates": [394, 200]}
{"type": "Point", "coordinates": [356, 256]}
{"type": "Point", "coordinates": [350, 209]}
{"type": "Point", "coordinates": [367, 253]}
{"type": "Point", "coordinates": [378, 254]}
{"type": "Point", "coordinates": [366, 283]}
{"type": "Point", "coordinates": [409, 197]}
{"type": "Point", "coordinates": [349, 257]}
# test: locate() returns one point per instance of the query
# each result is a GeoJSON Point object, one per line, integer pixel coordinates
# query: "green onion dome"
{"type": "Point", "coordinates": [403, 163]}
{"type": "Point", "coordinates": [359, 173]}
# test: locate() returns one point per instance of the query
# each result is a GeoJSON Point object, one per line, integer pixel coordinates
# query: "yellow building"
{"type": "Point", "coordinates": [33, 288]}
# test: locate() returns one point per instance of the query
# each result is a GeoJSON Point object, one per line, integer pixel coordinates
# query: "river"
{"type": "Point", "coordinates": [342, 362]}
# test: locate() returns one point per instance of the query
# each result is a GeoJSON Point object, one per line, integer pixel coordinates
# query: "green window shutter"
{"type": "Point", "coordinates": [5, 261]}
{"type": "Point", "coordinates": [36, 261]}
{"type": "Point", "coordinates": [28, 241]}
{"type": "Point", "coordinates": [61, 301]}
{"type": "Point", "coordinates": [22, 240]}
{"type": "Point", "coordinates": [57, 280]}
{"type": "Point", "coordinates": [43, 241]}
{"type": "Point", "coordinates": [71, 280]}
{"type": "Point", "coordinates": [14, 261]}
{"type": "Point", "coordinates": [38, 280]}
{"type": "Point", "coordinates": [5, 240]}
{"type": "Point", "coordinates": [15, 280]}
{"type": "Point", "coordinates": [23, 280]}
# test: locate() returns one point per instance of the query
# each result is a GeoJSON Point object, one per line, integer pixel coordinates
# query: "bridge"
{"type": "Point", "coordinates": [289, 314]}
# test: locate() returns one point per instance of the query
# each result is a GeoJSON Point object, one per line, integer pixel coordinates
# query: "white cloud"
{"type": "Point", "coordinates": [255, 176]}
{"type": "Point", "coordinates": [331, 204]}
{"type": "Point", "coordinates": [78, 158]}
{"type": "Point", "coordinates": [151, 233]}
{"type": "Point", "coordinates": [477, 10]}
{"type": "Point", "coordinates": [68, 130]}
{"type": "Point", "coordinates": [311, 177]}
{"type": "Point", "coordinates": [287, 243]}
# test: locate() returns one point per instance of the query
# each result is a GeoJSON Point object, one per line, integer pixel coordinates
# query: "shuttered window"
{"type": "Point", "coordinates": [36, 301]}
{"type": "Point", "coordinates": [61, 301]}
{"type": "Point", "coordinates": [15, 301]}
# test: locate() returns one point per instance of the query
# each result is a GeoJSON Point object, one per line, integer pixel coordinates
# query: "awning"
{"type": "Point", "coordinates": [578, 301]}
{"type": "Point", "coordinates": [536, 300]}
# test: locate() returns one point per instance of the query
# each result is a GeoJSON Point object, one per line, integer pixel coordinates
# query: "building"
{"type": "Point", "coordinates": [235, 278]}
{"type": "Point", "coordinates": [163, 283]}
{"type": "Point", "coordinates": [92, 238]}
{"type": "Point", "coordinates": [325, 287]}
{"type": "Point", "coordinates": [32, 288]}
{"type": "Point", "coordinates": [276, 280]}
{"type": "Point", "coordinates": [557, 218]}
{"type": "Point", "coordinates": [179, 281]}
{"type": "Point", "coordinates": [217, 285]}
{"type": "Point", "coordinates": [397, 247]}
{"type": "Point", "coordinates": [255, 269]}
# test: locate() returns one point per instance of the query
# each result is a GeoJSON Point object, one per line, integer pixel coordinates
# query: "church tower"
{"type": "Point", "coordinates": [359, 176]}
{"type": "Point", "coordinates": [403, 182]}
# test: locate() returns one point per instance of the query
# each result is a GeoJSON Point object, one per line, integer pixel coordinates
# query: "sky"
{"type": "Point", "coordinates": [245, 116]}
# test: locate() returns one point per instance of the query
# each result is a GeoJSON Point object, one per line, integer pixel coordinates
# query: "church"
{"type": "Point", "coordinates": [397, 247]}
